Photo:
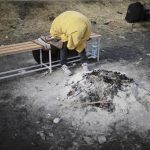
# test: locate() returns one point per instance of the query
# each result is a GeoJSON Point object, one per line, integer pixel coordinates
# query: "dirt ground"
{"type": "Point", "coordinates": [35, 111]}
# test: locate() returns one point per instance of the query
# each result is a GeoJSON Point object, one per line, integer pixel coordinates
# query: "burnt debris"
{"type": "Point", "coordinates": [99, 87]}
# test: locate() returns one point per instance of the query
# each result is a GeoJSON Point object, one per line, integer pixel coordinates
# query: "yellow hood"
{"type": "Point", "coordinates": [73, 27]}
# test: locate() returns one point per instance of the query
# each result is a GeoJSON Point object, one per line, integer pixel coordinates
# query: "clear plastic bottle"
{"type": "Point", "coordinates": [94, 49]}
{"type": "Point", "coordinates": [88, 49]}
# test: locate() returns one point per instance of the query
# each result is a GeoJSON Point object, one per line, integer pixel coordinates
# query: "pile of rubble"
{"type": "Point", "coordinates": [98, 88]}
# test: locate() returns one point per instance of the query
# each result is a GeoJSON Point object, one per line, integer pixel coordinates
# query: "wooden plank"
{"type": "Point", "coordinates": [27, 46]}
{"type": "Point", "coordinates": [4, 53]}
{"type": "Point", "coordinates": [19, 46]}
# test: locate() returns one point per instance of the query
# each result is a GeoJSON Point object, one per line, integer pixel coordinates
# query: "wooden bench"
{"type": "Point", "coordinates": [18, 48]}
{"type": "Point", "coordinates": [31, 46]}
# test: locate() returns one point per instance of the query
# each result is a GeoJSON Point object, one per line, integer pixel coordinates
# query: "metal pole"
{"type": "Point", "coordinates": [33, 70]}
{"type": "Point", "coordinates": [20, 69]}
{"type": "Point", "coordinates": [50, 61]}
{"type": "Point", "coordinates": [17, 74]}
{"type": "Point", "coordinates": [98, 54]}
{"type": "Point", "coordinates": [41, 62]}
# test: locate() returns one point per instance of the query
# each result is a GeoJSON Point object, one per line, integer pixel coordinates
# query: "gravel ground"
{"type": "Point", "coordinates": [35, 112]}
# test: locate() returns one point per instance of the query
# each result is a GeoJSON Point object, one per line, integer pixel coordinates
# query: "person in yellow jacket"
{"type": "Point", "coordinates": [74, 29]}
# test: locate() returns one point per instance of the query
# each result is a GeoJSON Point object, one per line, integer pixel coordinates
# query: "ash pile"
{"type": "Point", "coordinates": [98, 89]}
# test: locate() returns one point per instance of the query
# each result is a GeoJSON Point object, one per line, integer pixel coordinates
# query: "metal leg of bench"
{"type": "Point", "coordinates": [98, 53]}
{"type": "Point", "coordinates": [50, 61]}
{"type": "Point", "coordinates": [41, 61]}
{"type": "Point", "coordinates": [17, 72]}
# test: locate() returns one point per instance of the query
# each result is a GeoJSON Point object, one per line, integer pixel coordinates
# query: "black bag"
{"type": "Point", "coordinates": [135, 13]}
{"type": "Point", "coordinates": [147, 15]}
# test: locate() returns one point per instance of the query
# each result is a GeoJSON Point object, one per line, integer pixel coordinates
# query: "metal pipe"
{"type": "Point", "coordinates": [20, 69]}
{"type": "Point", "coordinates": [30, 67]}
{"type": "Point", "coordinates": [46, 66]}
{"type": "Point", "coordinates": [41, 57]}
{"type": "Point", "coordinates": [99, 47]}
{"type": "Point", "coordinates": [17, 74]}
{"type": "Point", "coordinates": [50, 61]}
{"type": "Point", "coordinates": [34, 70]}
{"type": "Point", "coordinates": [67, 59]}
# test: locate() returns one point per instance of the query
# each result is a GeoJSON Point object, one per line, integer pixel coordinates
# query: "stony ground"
{"type": "Point", "coordinates": [36, 113]}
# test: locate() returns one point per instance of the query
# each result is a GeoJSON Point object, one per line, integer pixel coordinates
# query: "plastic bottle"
{"type": "Point", "coordinates": [94, 49]}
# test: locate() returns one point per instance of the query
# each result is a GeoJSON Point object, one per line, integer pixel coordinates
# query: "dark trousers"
{"type": "Point", "coordinates": [64, 53]}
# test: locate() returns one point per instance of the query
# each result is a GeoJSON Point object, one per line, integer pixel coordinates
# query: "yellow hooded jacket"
{"type": "Point", "coordinates": [73, 27]}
